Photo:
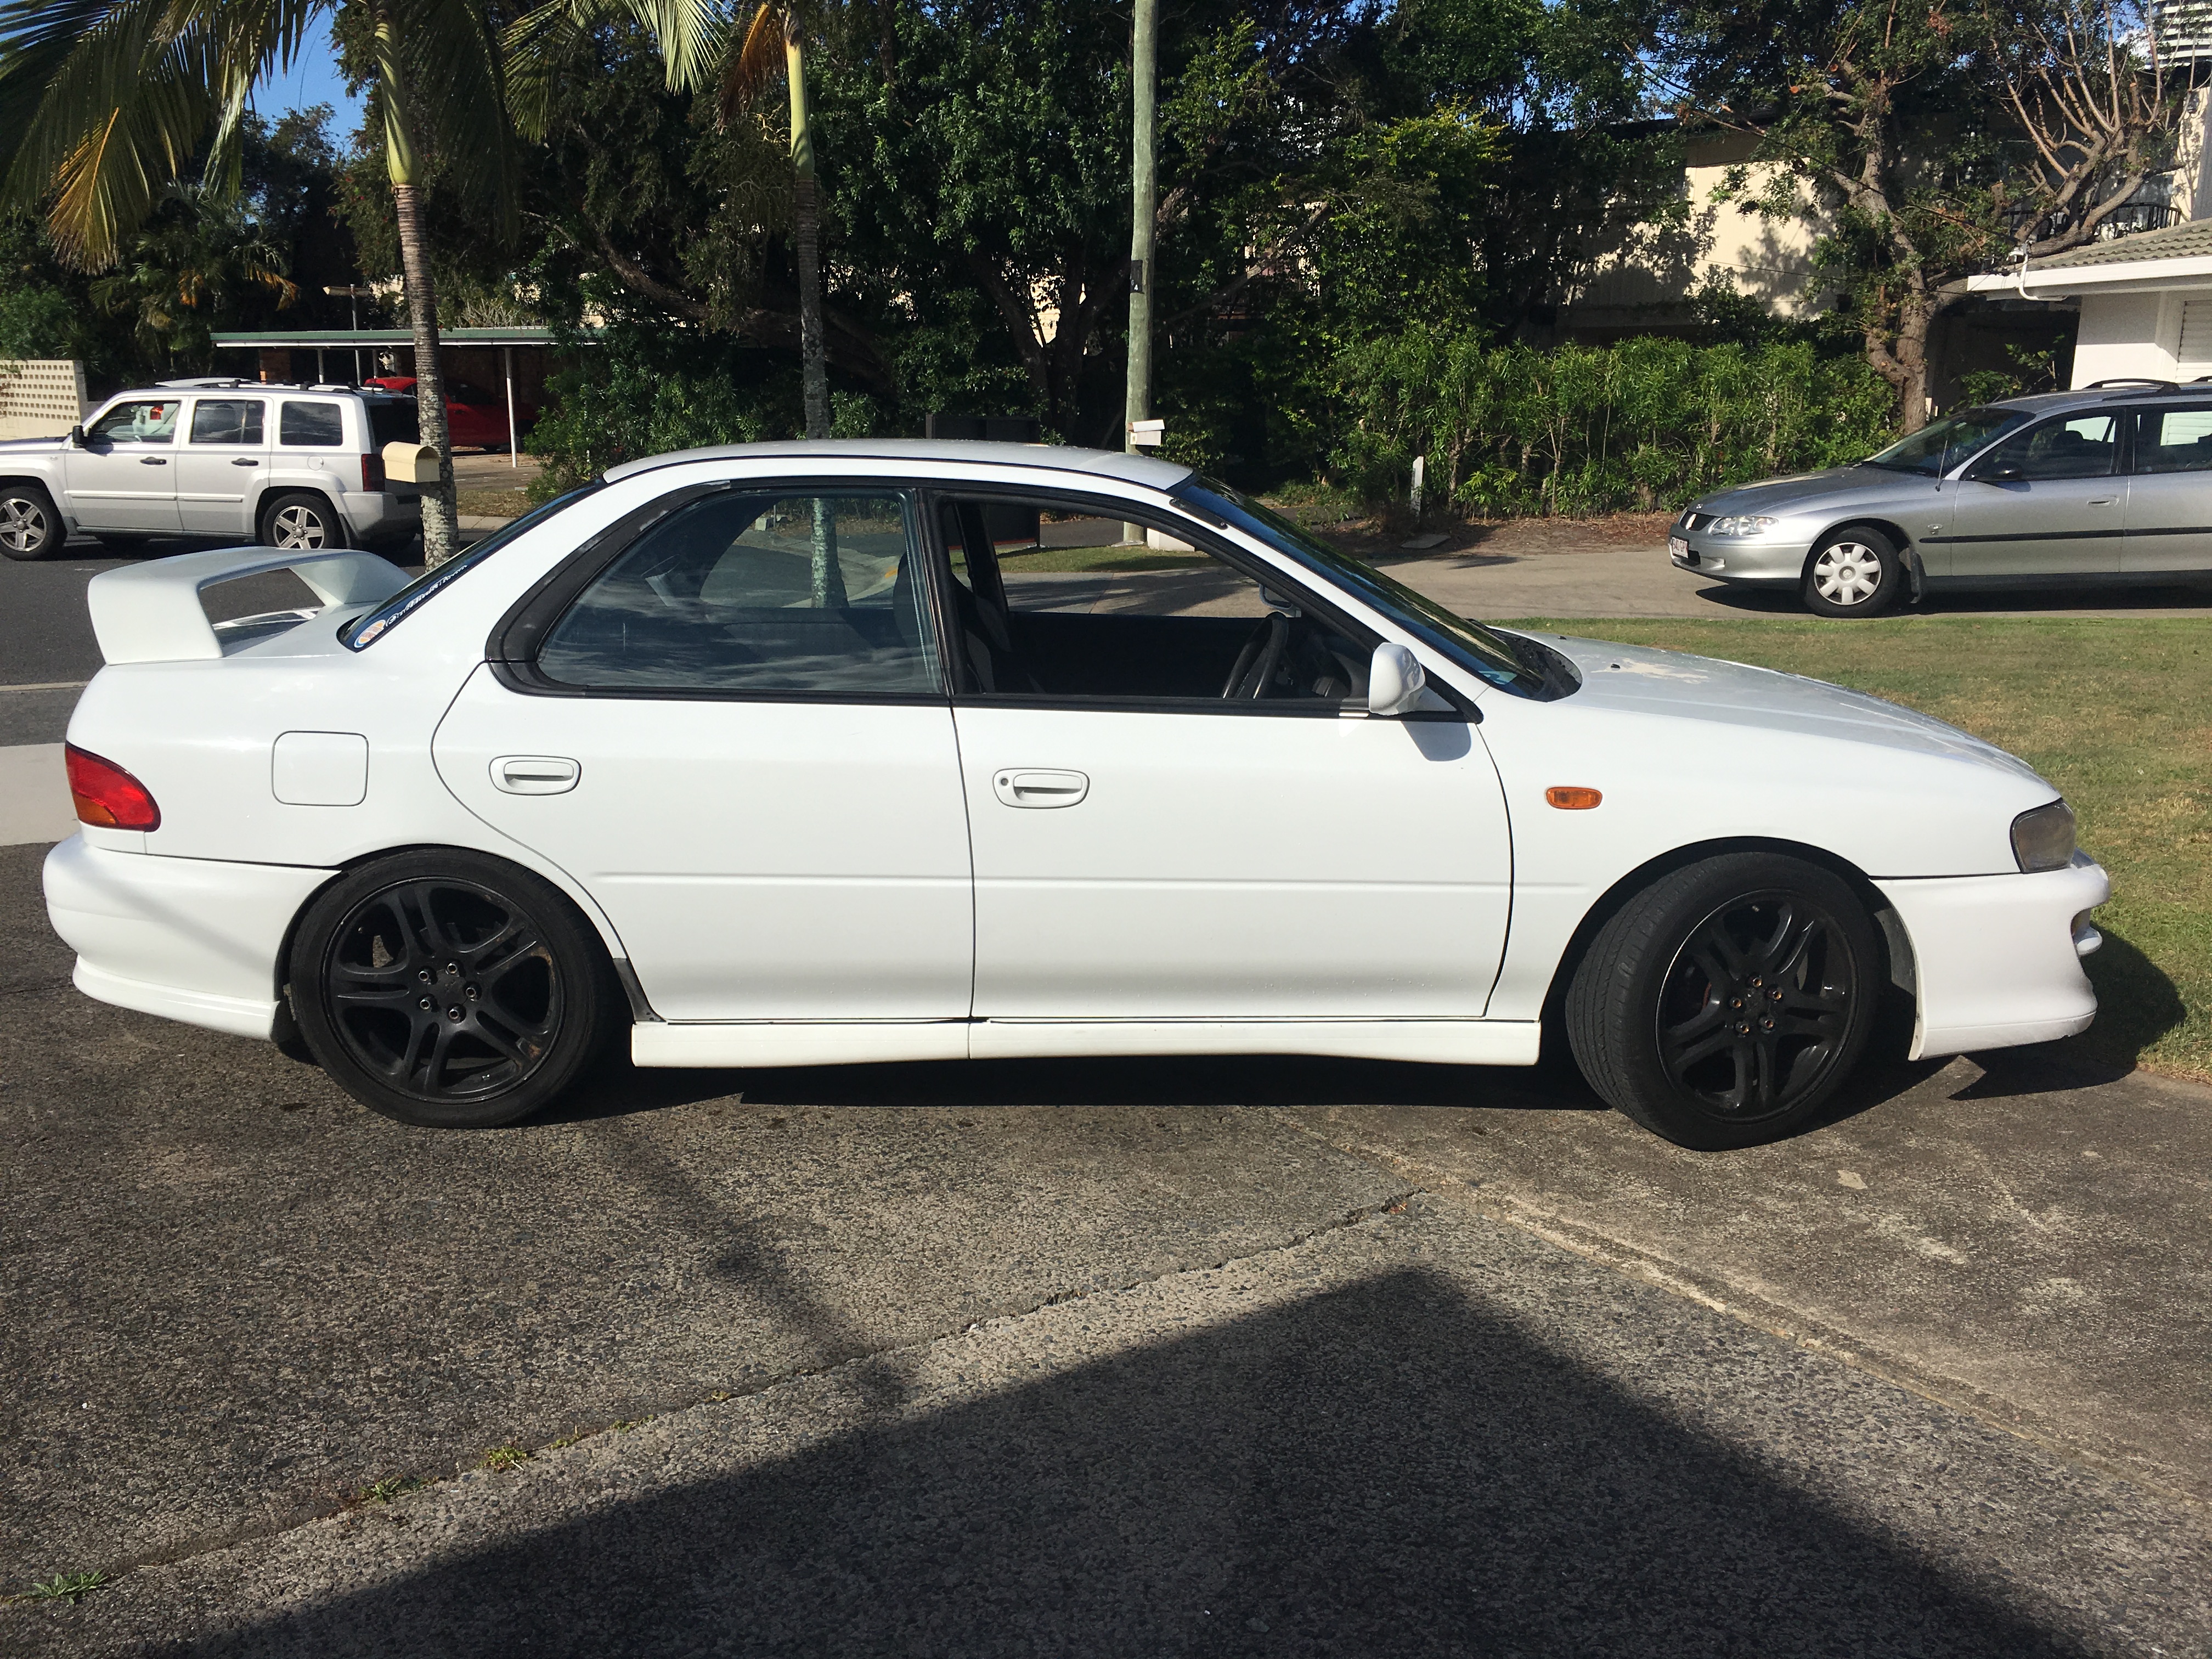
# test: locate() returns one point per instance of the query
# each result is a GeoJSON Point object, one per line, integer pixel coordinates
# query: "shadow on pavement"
{"type": "Point", "coordinates": [1392, 1467]}
{"type": "Point", "coordinates": [2117, 597]}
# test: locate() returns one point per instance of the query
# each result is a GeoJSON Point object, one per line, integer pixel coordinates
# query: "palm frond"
{"type": "Point", "coordinates": [756, 65]}
{"type": "Point", "coordinates": [457, 98]}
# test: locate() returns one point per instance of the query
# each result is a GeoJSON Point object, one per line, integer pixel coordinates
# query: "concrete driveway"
{"type": "Point", "coordinates": [1231, 1355]}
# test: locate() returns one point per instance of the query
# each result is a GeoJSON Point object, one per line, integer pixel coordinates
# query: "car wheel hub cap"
{"type": "Point", "coordinates": [23, 527]}
{"type": "Point", "coordinates": [1847, 573]}
{"type": "Point", "coordinates": [297, 527]}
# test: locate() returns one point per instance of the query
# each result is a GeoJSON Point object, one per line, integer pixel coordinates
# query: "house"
{"type": "Point", "coordinates": [2144, 302]}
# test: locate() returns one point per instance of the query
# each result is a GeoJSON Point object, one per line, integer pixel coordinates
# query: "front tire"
{"type": "Point", "coordinates": [1725, 1004]}
{"type": "Point", "coordinates": [303, 519]}
{"type": "Point", "coordinates": [450, 990]}
{"type": "Point", "coordinates": [29, 527]}
{"type": "Point", "coordinates": [1853, 573]}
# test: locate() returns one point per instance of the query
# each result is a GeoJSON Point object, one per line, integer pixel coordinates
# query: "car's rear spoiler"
{"type": "Point", "coordinates": [151, 612]}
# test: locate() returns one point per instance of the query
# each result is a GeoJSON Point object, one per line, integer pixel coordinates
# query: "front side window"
{"type": "Point", "coordinates": [140, 420]}
{"type": "Point", "coordinates": [2174, 440]}
{"type": "Point", "coordinates": [758, 593]}
{"type": "Point", "coordinates": [2082, 446]}
{"type": "Point", "coordinates": [227, 420]}
{"type": "Point", "coordinates": [313, 425]}
{"type": "Point", "coordinates": [1941, 445]}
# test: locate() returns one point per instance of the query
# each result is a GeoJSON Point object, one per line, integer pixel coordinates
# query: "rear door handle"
{"type": "Point", "coordinates": [535, 775]}
{"type": "Point", "coordinates": [1029, 788]}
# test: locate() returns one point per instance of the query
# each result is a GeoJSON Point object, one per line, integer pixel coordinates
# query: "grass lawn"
{"type": "Point", "coordinates": [2117, 713]}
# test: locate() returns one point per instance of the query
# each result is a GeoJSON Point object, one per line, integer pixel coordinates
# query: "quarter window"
{"type": "Point", "coordinates": [227, 420]}
{"type": "Point", "coordinates": [2084, 447]}
{"type": "Point", "coordinates": [2174, 440]}
{"type": "Point", "coordinates": [312, 426]}
{"type": "Point", "coordinates": [761, 593]}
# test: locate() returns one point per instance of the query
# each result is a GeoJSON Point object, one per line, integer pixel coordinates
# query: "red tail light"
{"type": "Point", "coordinates": [107, 794]}
{"type": "Point", "coordinates": [372, 473]}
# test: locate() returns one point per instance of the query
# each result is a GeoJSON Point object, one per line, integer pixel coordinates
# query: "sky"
{"type": "Point", "coordinates": [313, 79]}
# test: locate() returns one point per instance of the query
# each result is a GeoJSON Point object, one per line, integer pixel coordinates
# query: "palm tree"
{"type": "Point", "coordinates": [700, 45]}
{"type": "Point", "coordinates": [195, 252]}
{"type": "Point", "coordinates": [103, 104]}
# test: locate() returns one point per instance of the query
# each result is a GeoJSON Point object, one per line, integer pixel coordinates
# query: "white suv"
{"type": "Point", "coordinates": [299, 467]}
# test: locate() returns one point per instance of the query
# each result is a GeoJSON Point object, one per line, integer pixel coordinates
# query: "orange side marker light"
{"type": "Point", "coordinates": [1572, 797]}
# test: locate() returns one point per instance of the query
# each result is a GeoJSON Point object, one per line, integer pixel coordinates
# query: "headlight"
{"type": "Point", "coordinates": [1742, 526]}
{"type": "Point", "coordinates": [2043, 839]}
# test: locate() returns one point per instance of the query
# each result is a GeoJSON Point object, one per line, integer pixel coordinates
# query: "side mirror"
{"type": "Point", "coordinates": [76, 437]}
{"type": "Point", "coordinates": [1996, 475]}
{"type": "Point", "coordinates": [1395, 680]}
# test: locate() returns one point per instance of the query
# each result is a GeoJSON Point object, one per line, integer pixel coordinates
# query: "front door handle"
{"type": "Point", "coordinates": [535, 775]}
{"type": "Point", "coordinates": [1026, 789]}
{"type": "Point", "coordinates": [2104, 500]}
{"type": "Point", "coordinates": [245, 460]}
{"type": "Point", "coordinates": [152, 460]}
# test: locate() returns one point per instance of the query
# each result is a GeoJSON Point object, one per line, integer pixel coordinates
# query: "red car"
{"type": "Point", "coordinates": [476, 419]}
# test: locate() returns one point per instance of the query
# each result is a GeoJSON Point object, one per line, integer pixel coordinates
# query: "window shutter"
{"type": "Point", "coordinates": [2197, 332]}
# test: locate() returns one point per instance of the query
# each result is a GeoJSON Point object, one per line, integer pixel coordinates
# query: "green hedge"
{"type": "Point", "coordinates": [1646, 424]}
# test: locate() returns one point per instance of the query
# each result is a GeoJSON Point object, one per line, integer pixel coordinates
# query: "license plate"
{"type": "Point", "coordinates": [1678, 547]}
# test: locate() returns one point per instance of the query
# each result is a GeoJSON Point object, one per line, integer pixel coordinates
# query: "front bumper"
{"type": "Point", "coordinates": [190, 939]}
{"type": "Point", "coordinates": [1738, 558]}
{"type": "Point", "coordinates": [1997, 959]}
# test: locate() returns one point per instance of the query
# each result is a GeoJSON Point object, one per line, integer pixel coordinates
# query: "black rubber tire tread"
{"type": "Point", "coordinates": [1612, 1001]}
{"type": "Point", "coordinates": [56, 532]}
{"type": "Point", "coordinates": [1885, 596]}
{"type": "Point", "coordinates": [335, 535]}
{"type": "Point", "coordinates": [597, 1010]}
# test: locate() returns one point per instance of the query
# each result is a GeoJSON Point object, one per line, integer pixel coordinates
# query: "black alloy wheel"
{"type": "Point", "coordinates": [1725, 1004]}
{"type": "Point", "coordinates": [450, 990]}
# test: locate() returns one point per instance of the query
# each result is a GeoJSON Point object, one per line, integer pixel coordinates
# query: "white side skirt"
{"type": "Point", "coordinates": [809, 1042]}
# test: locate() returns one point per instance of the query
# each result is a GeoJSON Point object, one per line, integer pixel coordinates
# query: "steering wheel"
{"type": "Point", "coordinates": [1257, 662]}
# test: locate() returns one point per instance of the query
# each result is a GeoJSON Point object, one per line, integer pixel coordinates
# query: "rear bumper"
{"type": "Point", "coordinates": [381, 515]}
{"type": "Point", "coordinates": [1995, 959]}
{"type": "Point", "coordinates": [190, 939]}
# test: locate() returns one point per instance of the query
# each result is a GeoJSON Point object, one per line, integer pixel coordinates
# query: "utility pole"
{"type": "Point", "coordinates": [1144, 74]}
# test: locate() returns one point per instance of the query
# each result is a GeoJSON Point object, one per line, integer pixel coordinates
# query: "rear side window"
{"type": "Point", "coordinates": [392, 422]}
{"type": "Point", "coordinates": [760, 593]}
{"type": "Point", "coordinates": [313, 425]}
{"type": "Point", "coordinates": [227, 420]}
{"type": "Point", "coordinates": [2174, 440]}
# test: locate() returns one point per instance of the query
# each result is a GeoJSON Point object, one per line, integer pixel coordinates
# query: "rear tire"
{"type": "Point", "coordinates": [303, 519]}
{"type": "Point", "coordinates": [1853, 573]}
{"type": "Point", "coordinates": [30, 528]}
{"type": "Point", "coordinates": [1725, 1004]}
{"type": "Point", "coordinates": [451, 990]}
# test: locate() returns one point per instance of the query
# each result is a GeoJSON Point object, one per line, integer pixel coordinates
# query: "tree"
{"type": "Point", "coordinates": [195, 253]}
{"type": "Point", "coordinates": [106, 102]}
{"type": "Point", "coordinates": [1934, 138]}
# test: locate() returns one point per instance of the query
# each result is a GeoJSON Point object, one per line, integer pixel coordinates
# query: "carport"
{"type": "Point", "coordinates": [524, 357]}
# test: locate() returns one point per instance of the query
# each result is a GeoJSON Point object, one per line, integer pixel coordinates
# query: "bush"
{"type": "Point", "coordinates": [1641, 425]}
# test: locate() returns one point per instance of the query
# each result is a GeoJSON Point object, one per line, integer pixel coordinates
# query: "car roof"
{"type": "Point", "coordinates": [1102, 462]}
{"type": "Point", "coordinates": [2104, 393]}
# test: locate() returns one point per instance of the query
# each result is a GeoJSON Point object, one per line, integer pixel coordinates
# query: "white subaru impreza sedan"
{"type": "Point", "coordinates": [804, 754]}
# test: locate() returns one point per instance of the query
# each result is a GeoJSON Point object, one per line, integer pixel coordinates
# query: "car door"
{"type": "Point", "coordinates": [2048, 501]}
{"type": "Point", "coordinates": [2169, 519]}
{"type": "Point", "coordinates": [736, 737]}
{"type": "Point", "coordinates": [1155, 840]}
{"type": "Point", "coordinates": [221, 463]}
{"type": "Point", "coordinates": [124, 477]}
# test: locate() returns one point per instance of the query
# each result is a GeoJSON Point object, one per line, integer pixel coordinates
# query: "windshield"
{"type": "Point", "coordinates": [1936, 448]}
{"type": "Point", "coordinates": [372, 626]}
{"type": "Point", "coordinates": [1516, 665]}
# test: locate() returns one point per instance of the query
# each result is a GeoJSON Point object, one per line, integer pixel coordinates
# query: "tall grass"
{"type": "Point", "coordinates": [1641, 425]}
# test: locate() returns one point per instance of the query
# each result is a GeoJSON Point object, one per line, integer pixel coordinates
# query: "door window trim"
{"type": "Point", "coordinates": [1201, 535]}
{"type": "Point", "coordinates": [517, 638]}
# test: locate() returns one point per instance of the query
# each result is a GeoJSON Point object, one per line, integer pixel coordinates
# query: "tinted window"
{"type": "Point", "coordinates": [1941, 445]}
{"type": "Point", "coordinates": [2077, 447]}
{"type": "Point", "coordinates": [393, 421]}
{"type": "Point", "coordinates": [145, 421]}
{"type": "Point", "coordinates": [758, 592]}
{"type": "Point", "coordinates": [317, 426]}
{"type": "Point", "coordinates": [2174, 440]}
{"type": "Point", "coordinates": [227, 420]}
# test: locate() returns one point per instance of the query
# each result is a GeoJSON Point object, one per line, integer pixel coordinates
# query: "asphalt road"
{"type": "Point", "coordinates": [1228, 1355]}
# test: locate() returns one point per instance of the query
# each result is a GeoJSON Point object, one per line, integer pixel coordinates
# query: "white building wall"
{"type": "Point", "coordinates": [2127, 336]}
